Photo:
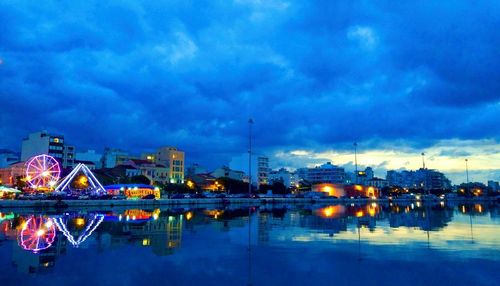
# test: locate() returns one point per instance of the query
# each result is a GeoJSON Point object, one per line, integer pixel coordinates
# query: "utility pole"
{"type": "Point", "coordinates": [423, 160]}
{"type": "Point", "coordinates": [250, 122]}
{"type": "Point", "coordinates": [467, 170]}
{"type": "Point", "coordinates": [355, 163]}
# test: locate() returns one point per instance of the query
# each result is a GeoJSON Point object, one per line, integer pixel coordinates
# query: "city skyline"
{"type": "Point", "coordinates": [303, 159]}
{"type": "Point", "coordinates": [398, 79]}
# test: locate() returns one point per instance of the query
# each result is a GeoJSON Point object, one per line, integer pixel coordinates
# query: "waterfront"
{"type": "Point", "coordinates": [390, 244]}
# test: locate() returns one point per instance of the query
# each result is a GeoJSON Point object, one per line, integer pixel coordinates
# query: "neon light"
{"type": "Point", "coordinates": [37, 234]}
{"type": "Point", "coordinates": [42, 171]}
{"type": "Point", "coordinates": [97, 187]}
{"type": "Point", "coordinates": [91, 227]}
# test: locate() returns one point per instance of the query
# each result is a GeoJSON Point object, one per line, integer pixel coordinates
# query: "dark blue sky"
{"type": "Point", "coordinates": [315, 76]}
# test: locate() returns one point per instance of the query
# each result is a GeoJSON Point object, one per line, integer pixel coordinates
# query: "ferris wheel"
{"type": "Point", "coordinates": [38, 233]}
{"type": "Point", "coordinates": [42, 171]}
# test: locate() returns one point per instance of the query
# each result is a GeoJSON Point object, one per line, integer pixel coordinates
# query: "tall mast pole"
{"type": "Point", "coordinates": [355, 163]}
{"type": "Point", "coordinates": [250, 122]}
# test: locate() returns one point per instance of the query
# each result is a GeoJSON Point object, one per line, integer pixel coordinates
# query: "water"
{"type": "Point", "coordinates": [281, 245]}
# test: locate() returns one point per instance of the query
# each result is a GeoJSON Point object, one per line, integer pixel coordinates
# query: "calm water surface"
{"type": "Point", "coordinates": [282, 245]}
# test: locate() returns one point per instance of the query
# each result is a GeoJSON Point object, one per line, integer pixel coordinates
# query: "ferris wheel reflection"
{"type": "Point", "coordinates": [37, 233]}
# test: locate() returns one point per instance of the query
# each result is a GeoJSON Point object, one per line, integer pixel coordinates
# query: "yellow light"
{"type": "Point", "coordinates": [328, 212]}
{"type": "Point", "coordinates": [155, 216]}
{"type": "Point", "coordinates": [146, 242]}
{"type": "Point", "coordinates": [83, 180]}
{"type": "Point", "coordinates": [40, 232]}
{"type": "Point", "coordinates": [189, 215]}
{"type": "Point", "coordinates": [79, 221]}
{"type": "Point", "coordinates": [359, 213]}
{"type": "Point", "coordinates": [190, 184]}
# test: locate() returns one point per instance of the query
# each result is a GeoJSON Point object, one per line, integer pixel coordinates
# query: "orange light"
{"type": "Point", "coordinates": [359, 213]}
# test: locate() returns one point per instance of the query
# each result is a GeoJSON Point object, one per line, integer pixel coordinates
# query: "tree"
{"type": "Point", "coordinates": [140, 179]}
{"type": "Point", "coordinates": [233, 186]}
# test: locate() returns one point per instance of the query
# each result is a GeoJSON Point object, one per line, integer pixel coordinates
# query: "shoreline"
{"type": "Point", "coordinates": [64, 204]}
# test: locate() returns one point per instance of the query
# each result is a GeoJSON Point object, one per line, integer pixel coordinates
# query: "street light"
{"type": "Point", "coordinates": [467, 173]}
{"type": "Point", "coordinates": [355, 163]}
{"type": "Point", "coordinates": [250, 122]}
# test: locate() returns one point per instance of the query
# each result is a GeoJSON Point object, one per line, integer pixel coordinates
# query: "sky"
{"type": "Point", "coordinates": [400, 78]}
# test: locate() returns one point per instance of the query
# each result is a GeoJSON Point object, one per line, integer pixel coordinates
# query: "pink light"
{"type": "Point", "coordinates": [42, 171]}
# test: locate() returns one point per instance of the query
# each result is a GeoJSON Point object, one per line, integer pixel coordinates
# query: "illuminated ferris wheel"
{"type": "Point", "coordinates": [42, 171]}
{"type": "Point", "coordinates": [38, 233]}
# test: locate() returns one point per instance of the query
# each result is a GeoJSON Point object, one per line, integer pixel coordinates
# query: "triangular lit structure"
{"type": "Point", "coordinates": [91, 227]}
{"type": "Point", "coordinates": [64, 186]}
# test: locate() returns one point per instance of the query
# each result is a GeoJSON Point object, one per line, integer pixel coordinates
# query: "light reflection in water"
{"type": "Point", "coordinates": [371, 231]}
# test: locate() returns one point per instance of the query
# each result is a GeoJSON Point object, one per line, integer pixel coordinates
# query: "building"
{"type": "Point", "coordinates": [43, 143]}
{"type": "Point", "coordinates": [195, 169]}
{"type": "Point", "coordinates": [68, 156]}
{"type": "Point", "coordinates": [90, 156]}
{"type": "Point", "coordinates": [495, 186]}
{"type": "Point", "coordinates": [10, 175]}
{"type": "Point", "coordinates": [8, 157]}
{"type": "Point", "coordinates": [153, 171]}
{"type": "Point", "coordinates": [376, 182]}
{"type": "Point", "coordinates": [173, 159]}
{"type": "Point", "coordinates": [326, 173]}
{"type": "Point", "coordinates": [133, 190]}
{"type": "Point", "coordinates": [226, 172]}
{"type": "Point", "coordinates": [259, 165]}
{"type": "Point", "coordinates": [113, 157]}
{"type": "Point", "coordinates": [262, 170]}
{"type": "Point", "coordinates": [289, 179]}
{"type": "Point", "coordinates": [426, 179]}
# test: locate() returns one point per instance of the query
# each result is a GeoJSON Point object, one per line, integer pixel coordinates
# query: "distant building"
{"type": "Point", "coordinates": [259, 165]}
{"type": "Point", "coordinates": [90, 156]}
{"type": "Point", "coordinates": [153, 171]}
{"type": "Point", "coordinates": [494, 185]}
{"type": "Point", "coordinates": [289, 179]}
{"type": "Point", "coordinates": [426, 179]}
{"type": "Point", "coordinates": [44, 143]}
{"type": "Point", "coordinates": [263, 170]}
{"type": "Point", "coordinates": [326, 173]}
{"type": "Point", "coordinates": [195, 169]}
{"type": "Point", "coordinates": [10, 174]}
{"type": "Point", "coordinates": [173, 159]}
{"type": "Point", "coordinates": [68, 157]}
{"type": "Point", "coordinates": [114, 157]}
{"type": "Point", "coordinates": [8, 157]}
{"type": "Point", "coordinates": [226, 172]}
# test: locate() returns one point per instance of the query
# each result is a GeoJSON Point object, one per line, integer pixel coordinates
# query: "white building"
{"type": "Point", "coordinates": [326, 173]}
{"type": "Point", "coordinates": [259, 165]}
{"type": "Point", "coordinates": [90, 156]}
{"type": "Point", "coordinates": [289, 179]}
{"type": "Point", "coordinates": [226, 172]}
{"type": "Point", "coordinates": [44, 143]}
{"type": "Point", "coordinates": [427, 179]}
{"type": "Point", "coordinates": [113, 157]}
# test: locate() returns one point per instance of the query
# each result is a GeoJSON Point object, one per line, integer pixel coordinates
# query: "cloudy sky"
{"type": "Point", "coordinates": [398, 77]}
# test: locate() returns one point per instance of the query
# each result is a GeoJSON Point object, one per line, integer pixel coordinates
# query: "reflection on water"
{"type": "Point", "coordinates": [234, 246]}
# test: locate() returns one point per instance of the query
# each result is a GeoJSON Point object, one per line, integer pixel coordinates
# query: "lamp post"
{"type": "Point", "coordinates": [467, 170]}
{"type": "Point", "coordinates": [250, 122]}
{"type": "Point", "coordinates": [355, 163]}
